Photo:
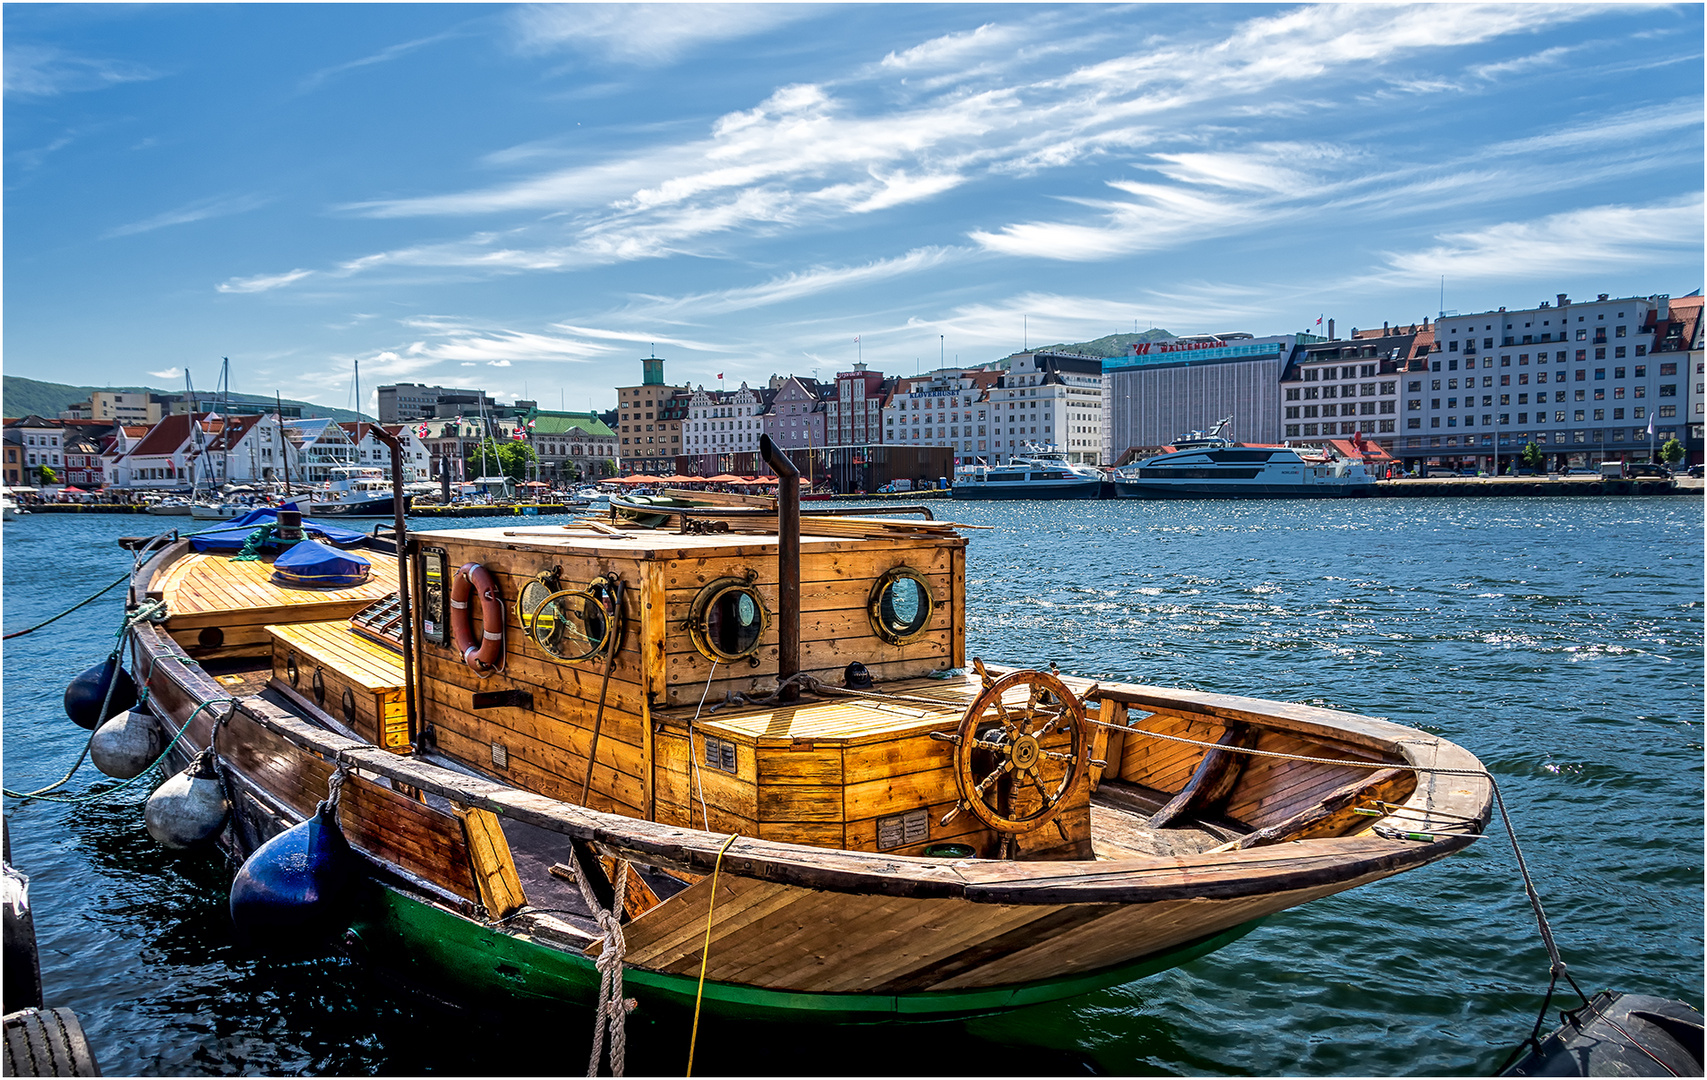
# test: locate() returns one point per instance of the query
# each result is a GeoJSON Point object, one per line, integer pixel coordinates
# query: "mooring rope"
{"type": "Point", "coordinates": [705, 950]}
{"type": "Point", "coordinates": [67, 611]}
{"type": "Point", "coordinates": [121, 785]}
{"type": "Point", "coordinates": [613, 1009]}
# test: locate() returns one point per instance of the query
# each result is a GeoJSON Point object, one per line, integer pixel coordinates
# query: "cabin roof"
{"type": "Point", "coordinates": [666, 544]}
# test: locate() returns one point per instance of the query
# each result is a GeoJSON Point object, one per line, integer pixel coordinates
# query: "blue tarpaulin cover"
{"type": "Point", "coordinates": [231, 535]}
{"type": "Point", "coordinates": [312, 563]}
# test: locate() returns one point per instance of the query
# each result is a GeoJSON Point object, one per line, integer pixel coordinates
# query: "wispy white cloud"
{"type": "Point", "coordinates": [45, 71]}
{"type": "Point", "coordinates": [1577, 241]}
{"type": "Point", "coordinates": [649, 35]}
{"type": "Point", "coordinates": [169, 373]}
{"type": "Point", "coordinates": [200, 210]}
{"type": "Point", "coordinates": [262, 282]}
{"type": "Point", "coordinates": [803, 283]}
{"type": "Point", "coordinates": [954, 50]}
{"type": "Point", "coordinates": [316, 79]}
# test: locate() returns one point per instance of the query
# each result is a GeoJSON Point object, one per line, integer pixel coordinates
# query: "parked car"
{"type": "Point", "coordinates": [895, 486]}
{"type": "Point", "coordinates": [1694, 471]}
{"type": "Point", "coordinates": [1635, 469]}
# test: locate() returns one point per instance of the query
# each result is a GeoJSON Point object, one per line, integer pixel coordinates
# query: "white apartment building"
{"type": "Point", "coordinates": [723, 422]}
{"type": "Point", "coordinates": [1575, 378]}
{"type": "Point", "coordinates": [1335, 389]}
{"type": "Point", "coordinates": [1051, 400]}
{"type": "Point", "coordinates": [945, 408]}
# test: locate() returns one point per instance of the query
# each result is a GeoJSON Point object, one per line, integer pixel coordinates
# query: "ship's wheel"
{"type": "Point", "coordinates": [1022, 747]}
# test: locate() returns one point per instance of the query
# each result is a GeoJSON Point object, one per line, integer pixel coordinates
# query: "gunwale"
{"type": "Point", "coordinates": [1221, 875]}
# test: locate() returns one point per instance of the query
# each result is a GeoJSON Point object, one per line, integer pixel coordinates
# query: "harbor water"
{"type": "Point", "coordinates": [1558, 639]}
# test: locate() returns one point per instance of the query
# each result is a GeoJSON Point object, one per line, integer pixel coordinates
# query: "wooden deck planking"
{"type": "Point", "coordinates": [211, 583]}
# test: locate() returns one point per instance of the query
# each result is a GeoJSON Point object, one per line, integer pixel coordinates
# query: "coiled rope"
{"type": "Point", "coordinates": [613, 1008]}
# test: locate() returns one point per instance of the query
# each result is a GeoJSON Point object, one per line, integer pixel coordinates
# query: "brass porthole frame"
{"type": "Point", "coordinates": [611, 623]}
{"type": "Point", "coordinates": [874, 605]}
{"type": "Point", "coordinates": [549, 580]}
{"type": "Point", "coordinates": [702, 604]}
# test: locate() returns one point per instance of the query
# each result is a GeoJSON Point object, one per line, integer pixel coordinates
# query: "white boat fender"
{"type": "Point", "coordinates": [189, 807]}
{"type": "Point", "coordinates": [125, 746]}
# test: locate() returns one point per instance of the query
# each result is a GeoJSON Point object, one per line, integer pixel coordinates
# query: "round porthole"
{"type": "Point", "coordinates": [728, 619]}
{"type": "Point", "coordinates": [532, 595]}
{"type": "Point", "coordinates": [211, 637]}
{"type": "Point", "coordinates": [570, 625]}
{"type": "Point", "coordinates": [291, 670]}
{"type": "Point", "coordinates": [900, 605]}
{"type": "Point", "coordinates": [349, 705]}
{"type": "Point", "coordinates": [608, 590]}
{"type": "Point", "coordinates": [319, 688]}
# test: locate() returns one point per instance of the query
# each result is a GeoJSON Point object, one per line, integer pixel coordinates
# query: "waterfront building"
{"type": "Point", "coordinates": [949, 408]}
{"type": "Point", "coordinates": [448, 441]}
{"type": "Point", "coordinates": [369, 451]}
{"type": "Point", "coordinates": [722, 423]}
{"type": "Point", "coordinates": [1163, 388]}
{"type": "Point", "coordinates": [853, 414]}
{"type": "Point", "coordinates": [1575, 378]}
{"type": "Point", "coordinates": [12, 442]}
{"type": "Point", "coordinates": [1679, 336]}
{"type": "Point", "coordinates": [321, 445]}
{"type": "Point", "coordinates": [40, 441]}
{"type": "Point", "coordinates": [572, 445]}
{"type": "Point", "coordinates": [1050, 399]}
{"type": "Point", "coordinates": [412, 401]}
{"type": "Point", "coordinates": [1335, 389]}
{"type": "Point", "coordinates": [650, 418]}
{"type": "Point", "coordinates": [116, 406]}
{"type": "Point", "coordinates": [794, 415]}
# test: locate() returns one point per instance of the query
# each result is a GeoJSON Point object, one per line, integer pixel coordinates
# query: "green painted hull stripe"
{"type": "Point", "coordinates": [428, 947]}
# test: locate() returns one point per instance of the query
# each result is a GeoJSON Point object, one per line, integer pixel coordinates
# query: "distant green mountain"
{"type": "Point", "coordinates": [1111, 344]}
{"type": "Point", "coordinates": [21, 397]}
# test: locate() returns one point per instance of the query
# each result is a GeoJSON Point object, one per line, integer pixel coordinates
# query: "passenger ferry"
{"type": "Point", "coordinates": [1040, 472]}
{"type": "Point", "coordinates": [1211, 466]}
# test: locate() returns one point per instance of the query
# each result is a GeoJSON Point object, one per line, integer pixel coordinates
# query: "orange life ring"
{"type": "Point", "coordinates": [488, 655]}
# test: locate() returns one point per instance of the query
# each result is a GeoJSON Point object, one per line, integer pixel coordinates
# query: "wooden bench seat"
{"type": "Point", "coordinates": [346, 676]}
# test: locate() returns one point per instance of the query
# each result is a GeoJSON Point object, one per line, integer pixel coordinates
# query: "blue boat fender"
{"type": "Point", "coordinates": [299, 890]}
{"type": "Point", "coordinates": [88, 691]}
{"type": "Point", "coordinates": [125, 746]}
{"type": "Point", "coordinates": [189, 807]}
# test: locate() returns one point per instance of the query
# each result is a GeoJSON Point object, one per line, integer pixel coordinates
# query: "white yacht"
{"type": "Point", "coordinates": [1039, 472]}
{"type": "Point", "coordinates": [10, 510]}
{"type": "Point", "coordinates": [354, 491]}
{"type": "Point", "coordinates": [1210, 466]}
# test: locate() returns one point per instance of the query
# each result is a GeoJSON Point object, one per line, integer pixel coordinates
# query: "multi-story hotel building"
{"type": "Point", "coordinates": [1052, 400]}
{"type": "Point", "coordinates": [1575, 378]}
{"type": "Point", "coordinates": [722, 422]}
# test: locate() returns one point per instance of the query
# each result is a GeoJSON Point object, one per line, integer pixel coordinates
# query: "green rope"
{"type": "Point", "coordinates": [251, 551]}
{"type": "Point", "coordinates": [69, 610]}
{"type": "Point", "coordinates": [71, 800]}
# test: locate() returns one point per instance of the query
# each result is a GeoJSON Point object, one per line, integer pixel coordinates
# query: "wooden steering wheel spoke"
{"type": "Point", "coordinates": [1013, 734]}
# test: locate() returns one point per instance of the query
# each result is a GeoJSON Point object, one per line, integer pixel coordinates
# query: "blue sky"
{"type": "Point", "coordinates": [529, 199]}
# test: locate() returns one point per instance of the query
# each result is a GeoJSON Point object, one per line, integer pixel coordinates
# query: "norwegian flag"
{"type": "Point", "coordinates": [516, 434]}
{"type": "Point", "coordinates": [421, 432]}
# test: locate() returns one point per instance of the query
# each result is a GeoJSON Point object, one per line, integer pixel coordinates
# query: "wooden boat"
{"type": "Point", "coordinates": [680, 716]}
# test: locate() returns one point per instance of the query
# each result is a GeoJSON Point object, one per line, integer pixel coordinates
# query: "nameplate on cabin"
{"type": "Point", "coordinates": [903, 829]}
{"type": "Point", "coordinates": [503, 699]}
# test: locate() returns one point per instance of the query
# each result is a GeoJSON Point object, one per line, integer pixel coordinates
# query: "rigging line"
{"type": "Point", "coordinates": [693, 758]}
